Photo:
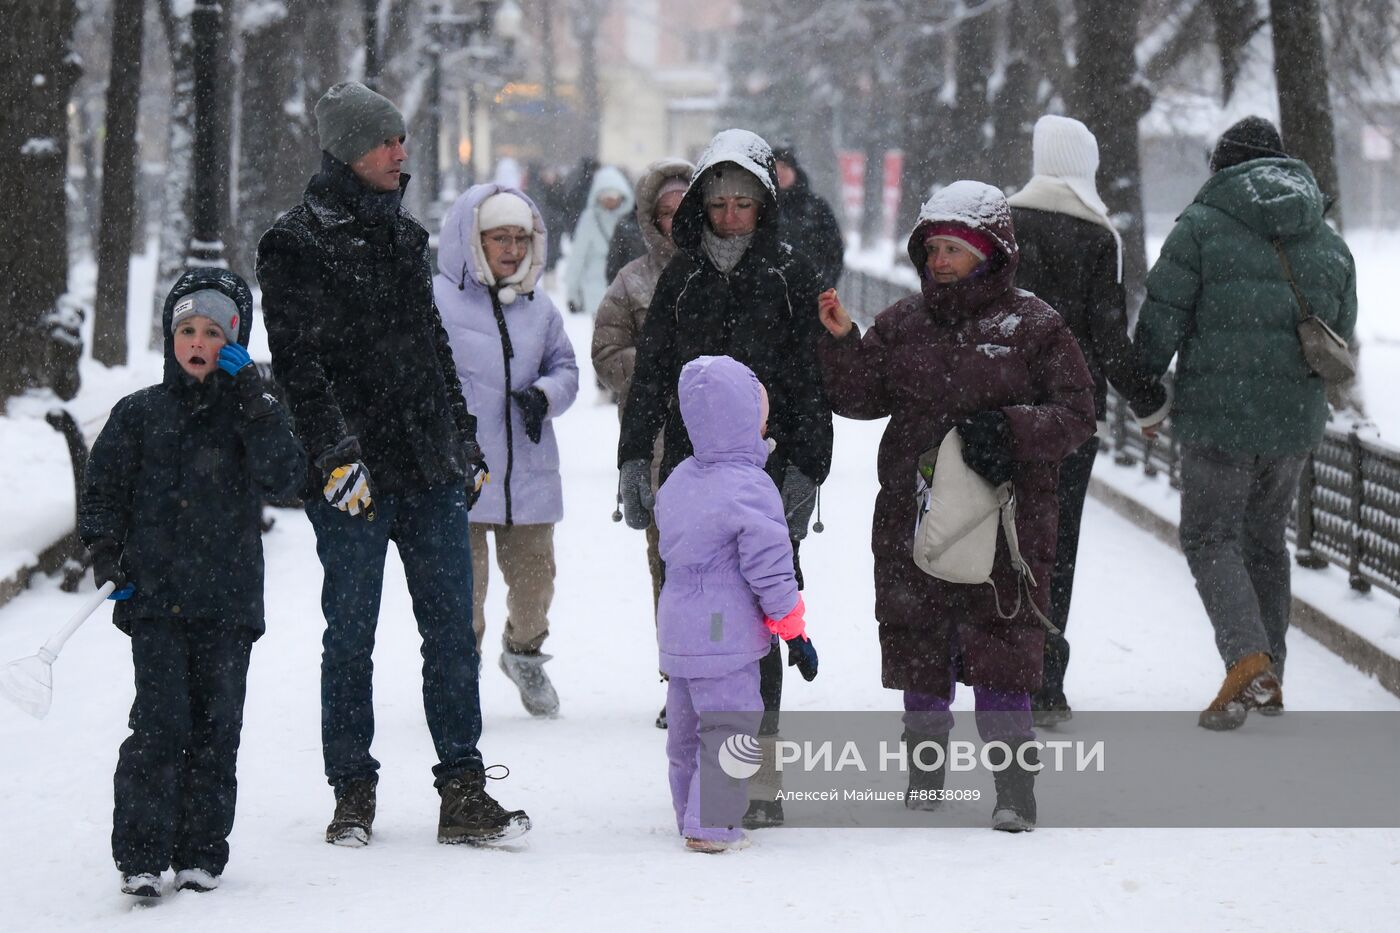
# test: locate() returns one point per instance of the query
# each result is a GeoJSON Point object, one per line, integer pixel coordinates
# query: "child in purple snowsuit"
{"type": "Point", "coordinates": [729, 587]}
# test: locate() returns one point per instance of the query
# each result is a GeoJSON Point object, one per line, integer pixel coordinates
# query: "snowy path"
{"type": "Point", "coordinates": [604, 854]}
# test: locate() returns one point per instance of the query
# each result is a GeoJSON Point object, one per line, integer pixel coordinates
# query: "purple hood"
{"type": "Point", "coordinates": [721, 407]}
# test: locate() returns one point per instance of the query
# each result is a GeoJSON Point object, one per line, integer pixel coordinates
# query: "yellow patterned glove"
{"type": "Point", "coordinates": [348, 489]}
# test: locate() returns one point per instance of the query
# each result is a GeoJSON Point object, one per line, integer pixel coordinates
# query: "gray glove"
{"type": "Point", "coordinates": [799, 498]}
{"type": "Point", "coordinates": [637, 498]}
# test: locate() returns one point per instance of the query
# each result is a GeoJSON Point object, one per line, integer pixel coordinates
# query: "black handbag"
{"type": "Point", "coordinates": [1326, 352]}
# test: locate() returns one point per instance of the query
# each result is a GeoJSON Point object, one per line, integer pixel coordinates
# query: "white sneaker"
{"type": "Point", "coordinates": [716, 846]}
{"type": "Point", "coordinates": [142, 885]}
{"type": "Point", "coordinates": [195, 879]}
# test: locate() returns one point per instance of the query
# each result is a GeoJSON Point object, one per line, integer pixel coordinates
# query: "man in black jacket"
{"type": "Point", "coordinates": [808, 221]}
{"type": "Point", "coordinates": [1072, 259]}
{"type": "Point", "coordinates": [359, 347]}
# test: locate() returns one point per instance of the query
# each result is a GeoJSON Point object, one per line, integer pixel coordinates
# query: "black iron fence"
{"type": "Point", "coordinates": [1348, 508]}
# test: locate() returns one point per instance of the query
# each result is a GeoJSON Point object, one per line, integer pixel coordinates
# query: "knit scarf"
{"type": "Point", "coordinates": [370, 207]}
{"type": "Point", "coordinates": [724, 252]}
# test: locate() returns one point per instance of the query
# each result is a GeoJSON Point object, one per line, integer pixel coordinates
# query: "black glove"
{"type": "Point", "coordinates": [533, 406]}
{"type": "Point", "coordinates": [107, 563]}
{"type": "Point", "coordinates": [986, 438]}
{"type": "Point", "coordinates": [637, 497]}
{"type": "Point", "coordinates": [478, 474]}
{"type": "Point", "coordinates": [803, 654]}
{"type": "Point", "coordinates": [253, 397]}
{"type": "Point", "coordinates": [799, 497]}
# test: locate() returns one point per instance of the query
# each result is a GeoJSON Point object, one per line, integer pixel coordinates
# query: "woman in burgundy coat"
{"type": "Point", "coordinates": [972, 352]}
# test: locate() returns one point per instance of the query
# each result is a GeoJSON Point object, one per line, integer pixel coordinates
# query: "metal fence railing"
{"type": "Point", "coordinates": [865, 295]}
{"type": "Point", "coordinates": [1348, 508]}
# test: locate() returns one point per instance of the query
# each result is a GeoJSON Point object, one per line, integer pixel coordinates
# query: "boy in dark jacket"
{"type": "Point", "coordinates": [171, 511]}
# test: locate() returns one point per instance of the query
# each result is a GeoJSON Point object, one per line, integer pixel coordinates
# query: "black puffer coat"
{"type": "Point", "coordinates": [810, 226]}
{"type": "Point", "coordinates": [357, 342]}
{"type": "Point", "coordinates": [763, 314]}
{"type": "Point", "coordinates": [1072, 265]}
{"type": "Point", "coordinates": [177, 478]}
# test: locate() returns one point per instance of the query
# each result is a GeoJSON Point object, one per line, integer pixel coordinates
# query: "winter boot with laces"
{"type": "Point", "coordinates": [925, 783]}
{"type": "Point", "coordinates": [353, 823]}
{"type": "Point", "coordinates": [526, 671]}
{"type": "Point", "coordinates": [1015, 807]}
{"type": "Point", "coordinates": [471, 815]}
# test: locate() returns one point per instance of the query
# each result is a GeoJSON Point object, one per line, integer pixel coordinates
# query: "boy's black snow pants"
{"type": "Point", "coordinates": [176, 779]}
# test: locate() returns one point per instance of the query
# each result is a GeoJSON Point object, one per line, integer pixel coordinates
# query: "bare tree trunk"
{"type": "Point", "coordinates": [118, 184]}
{"type": "Point", "coordinates": [925, 119]}
{"type": "Point", "coordinates": [1110, 97]}
{"type": "Point", "coordinates": [1236, 22]}
{"type": "Point", "coordinates": [1305, 110]}
{"type": "Point", "coordinates": [967, 141]}
{"type": "Point", "coordinates": [210, 182]}
{"type": "Point", "coordinates": [38, 69]}
{"type": "Point", "coordinates": [177, 195]}
{"type": "Point", "coordinates": [1017, 106]}
{"type": "Point", "coordinates": [370, 16]}
{"type": "Point", "coordinates": [277, 141]}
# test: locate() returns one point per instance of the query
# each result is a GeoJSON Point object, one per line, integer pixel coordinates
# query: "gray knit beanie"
{"type": "Point", "coordinates": [351, 120]}
{"type": "Point", "coordinates": [210, 303]}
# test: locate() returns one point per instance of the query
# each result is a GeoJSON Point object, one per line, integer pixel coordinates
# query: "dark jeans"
{"type": "Point", "coordinates": [176, 781]}
{"type": "Point", "coordinates": [431, 531]}
{"type": "Point", "coordinates": [1074, 486]}
{"type": "Point", "coordinates": [1234, 510]}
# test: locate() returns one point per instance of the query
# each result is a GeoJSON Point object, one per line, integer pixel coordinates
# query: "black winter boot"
{"type": "Point", "coordinates": [925, 786]}
{"type": "Point", "coordinates": [1015, 807]}
{"type": "Point", "coordinates": [353, 823]}
{"type": "Point", "coordinates": [471, 815]}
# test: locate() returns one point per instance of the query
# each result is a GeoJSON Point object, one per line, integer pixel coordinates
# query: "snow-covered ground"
{"type": "Point", "coordinates": [604, 854]}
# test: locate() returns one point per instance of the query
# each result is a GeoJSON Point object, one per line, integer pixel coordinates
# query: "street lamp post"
{"type": "Point", "coordinates": [449, 33]}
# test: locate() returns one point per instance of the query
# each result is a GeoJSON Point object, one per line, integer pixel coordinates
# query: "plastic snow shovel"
{"type": "Point", "coordinates": [28, 682]}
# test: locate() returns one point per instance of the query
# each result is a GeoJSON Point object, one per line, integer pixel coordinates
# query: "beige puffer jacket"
{"type": "Point", "coordinates": [618, 324]}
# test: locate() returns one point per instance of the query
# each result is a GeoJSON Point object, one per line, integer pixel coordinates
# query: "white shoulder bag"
{"type": "Point", "coordinates": [955, 530]}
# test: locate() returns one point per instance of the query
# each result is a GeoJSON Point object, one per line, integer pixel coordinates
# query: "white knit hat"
{"type": "Point", "coordinates": [504, 210]}
{"type": "Point", "coordinates": [1064, 147]}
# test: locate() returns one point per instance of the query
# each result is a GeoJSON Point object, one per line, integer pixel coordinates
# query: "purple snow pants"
{"type": "Point", "coordinates": [1001, 715]}
{"type": "Point", "coordinates": [731, 704]}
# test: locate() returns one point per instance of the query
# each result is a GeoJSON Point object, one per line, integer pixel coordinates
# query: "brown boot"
{"type": "Point", "coordinates": [1249, 684]}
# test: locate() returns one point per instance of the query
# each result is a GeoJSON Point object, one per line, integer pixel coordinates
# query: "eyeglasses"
{"type": "Point", "coordinates": [504, 241]}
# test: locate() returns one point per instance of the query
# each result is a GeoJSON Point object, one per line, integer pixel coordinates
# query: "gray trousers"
{"type": "Point", "coordinates": [1234, 509]}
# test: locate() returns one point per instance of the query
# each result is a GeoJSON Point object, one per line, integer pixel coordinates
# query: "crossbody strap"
{"type": "Point", "coordinates": [1025, 579]}
{"type": "Point", "coordinates": [1303, 311]}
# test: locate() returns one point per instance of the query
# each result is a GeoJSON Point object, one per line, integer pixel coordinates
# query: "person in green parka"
{"type": "Point", "coordinates": [1246, 407]}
